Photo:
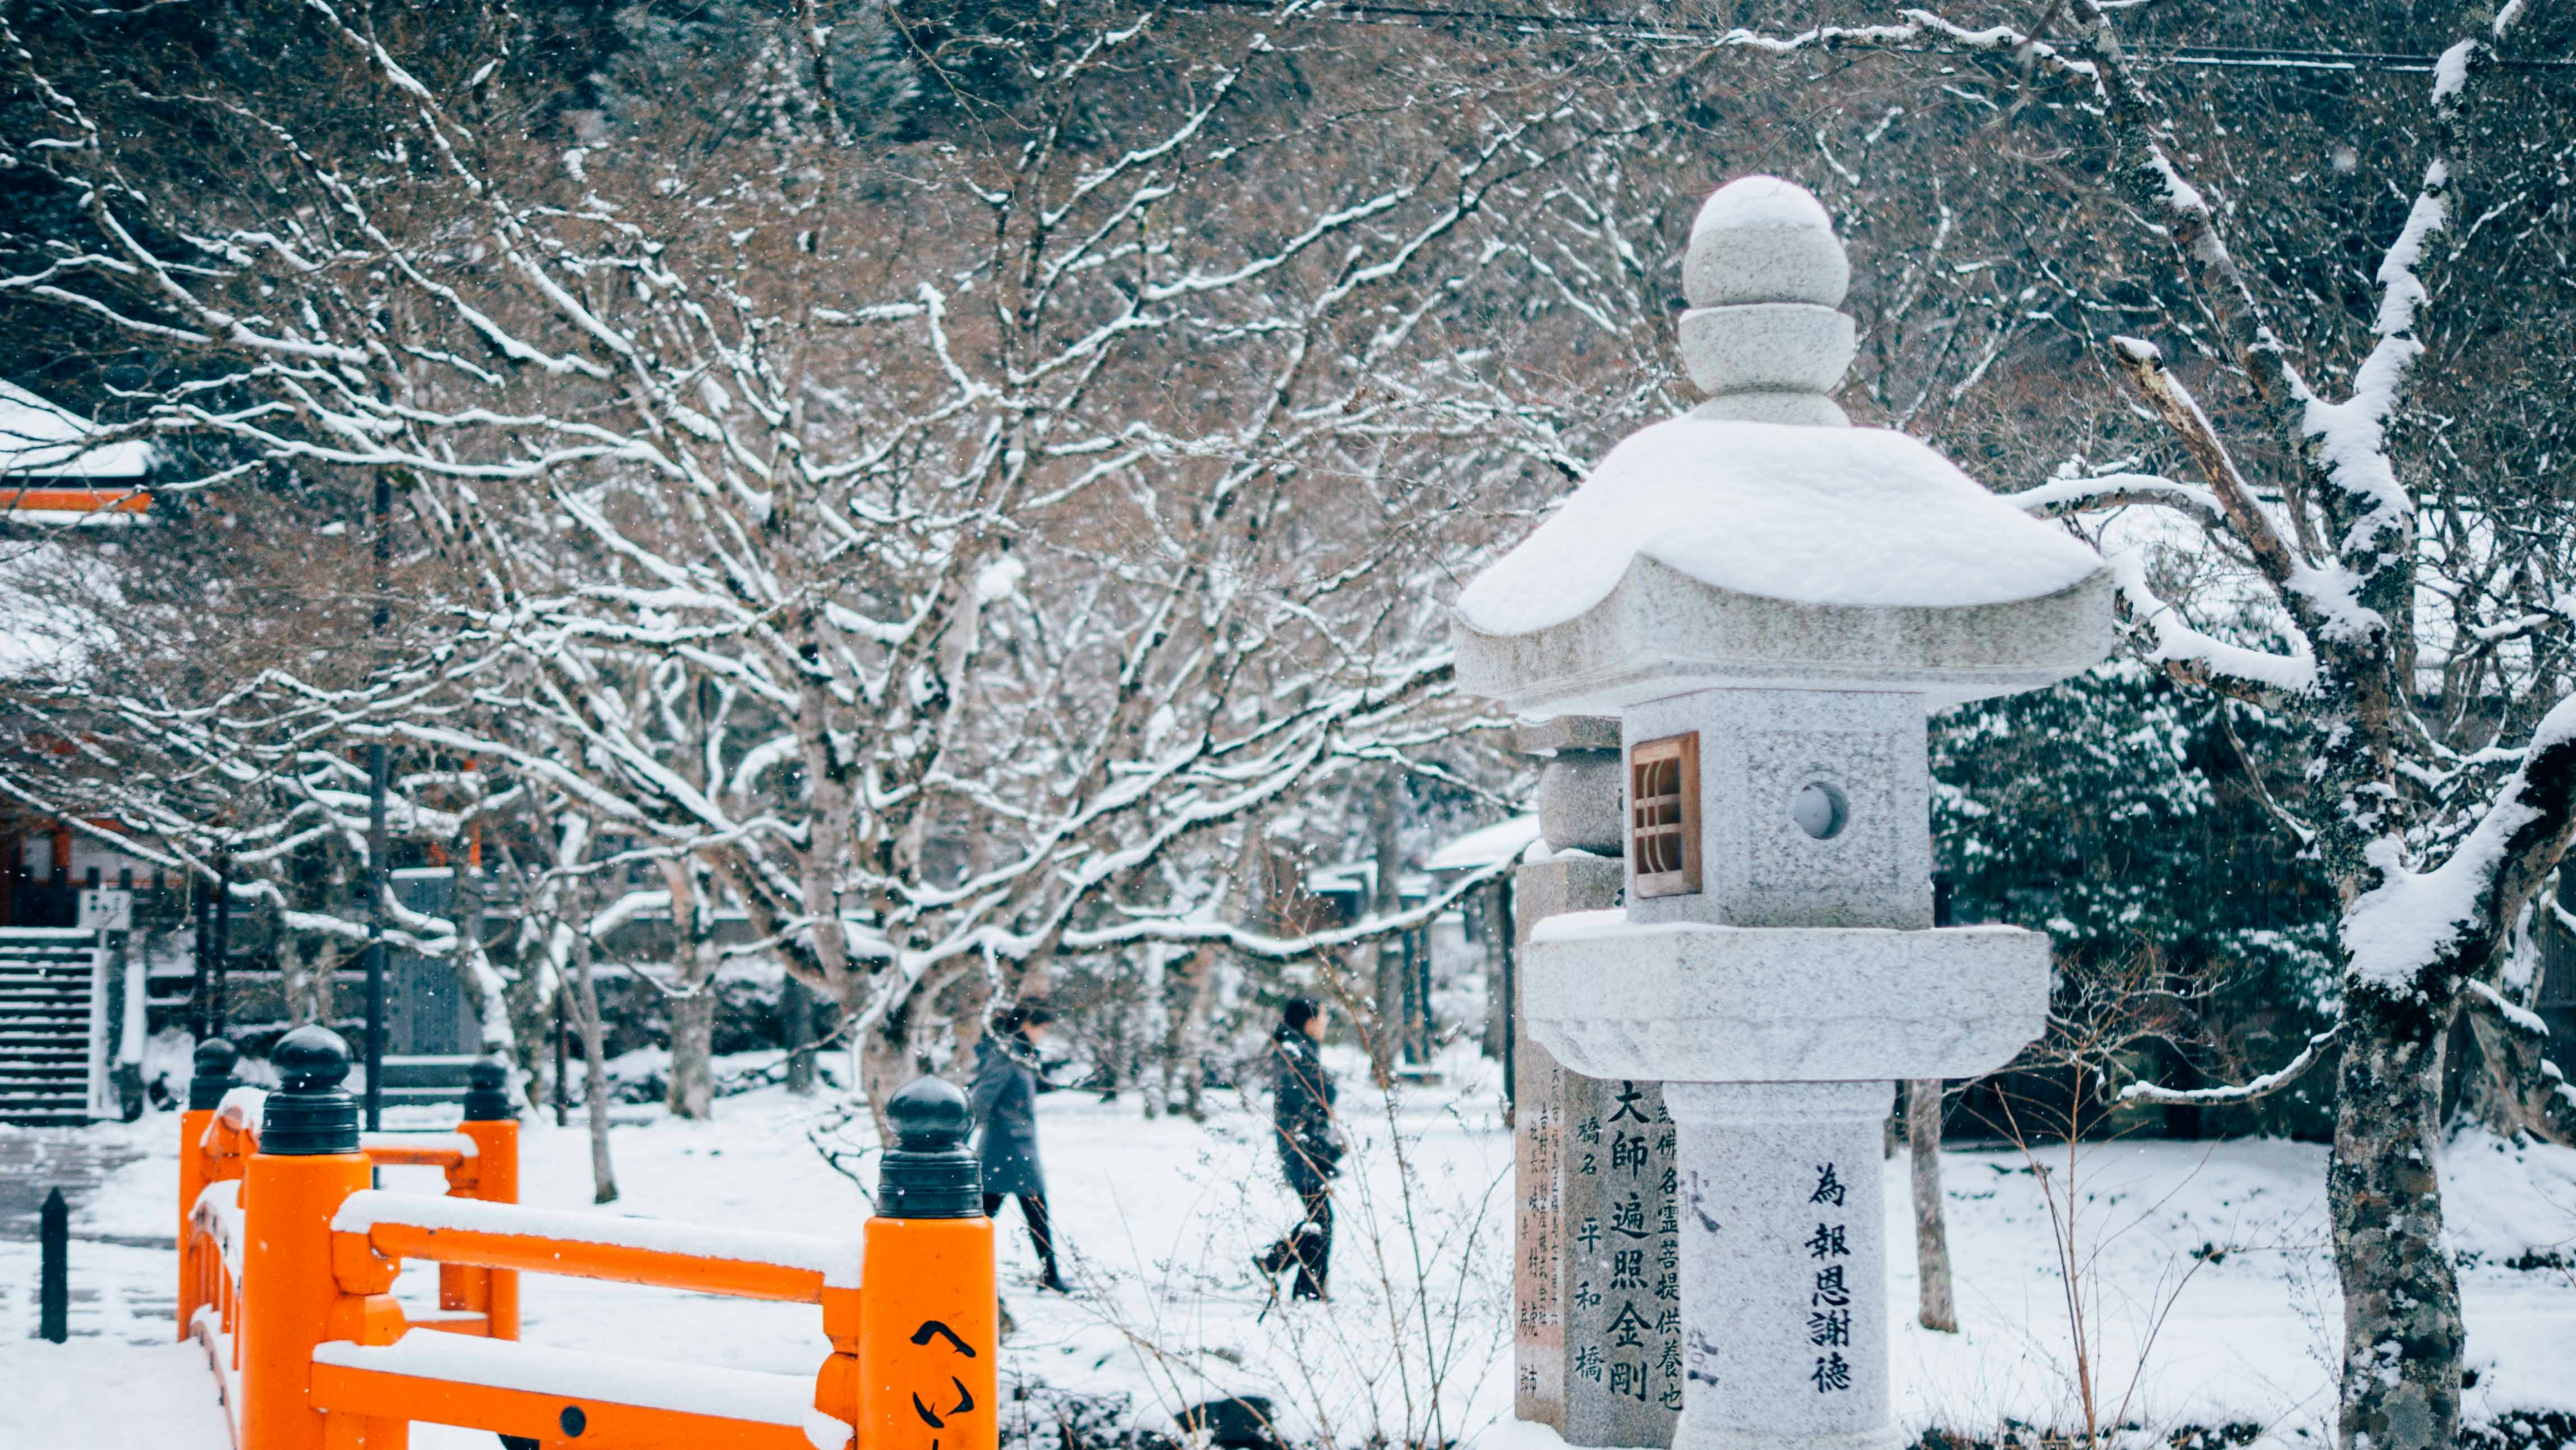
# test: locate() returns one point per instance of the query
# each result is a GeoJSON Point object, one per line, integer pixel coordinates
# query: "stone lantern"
{"type": "Point", "coordinates": [1771, 602]}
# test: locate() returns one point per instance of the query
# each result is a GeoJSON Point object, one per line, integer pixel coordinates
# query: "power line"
{"type": "Point", "coordinates": [2230, 57]}
{"type": "Point", "coordinates": [2343, 60]}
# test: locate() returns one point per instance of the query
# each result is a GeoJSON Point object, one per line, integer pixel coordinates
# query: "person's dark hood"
{"type": "Point", "coordinates": [1011, 1045]}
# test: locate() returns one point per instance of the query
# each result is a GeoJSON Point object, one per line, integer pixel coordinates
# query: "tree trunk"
{"type": "Point", "coordinates": [1194, 1043]}
{"type": "Point", "coordinates": [693, 1076]}
{"type": "Point", "coordinates": [2520, 1090]}
{"type": "Point", "coordinates": [1386, 985]}
{"type": "Point", "coordinates": [2401, 1304]}
{"type": "Point", "coordinates": [594, 1058]}
{"type": "Point", "coordinates": [530, 996]}
{"type": "Point", "coordinates": [885, 1064]}
{"type": "Point", "coordinates": [309, 995]}
{"type": "Point", "coordinates": [1187, 979]}
{"type": "Point", "coordinates": [2525, 1092]}
{"type": "Point", "coordinates": [1497, 911]}
{"type": "Point", "coordinates": [475, 974]}
{"type": "Point", "coordinates": [796, 1013]}
{"type": "Point", "coordinates": [1934, 1309]}
{"type": "Point", "coordinates": [693, 1016]}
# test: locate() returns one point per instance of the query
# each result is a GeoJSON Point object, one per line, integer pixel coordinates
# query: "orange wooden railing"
{"type": "Point", "coordinates": [218, 1135]}
{"type": "Point", "coordinates": [324, 1358]}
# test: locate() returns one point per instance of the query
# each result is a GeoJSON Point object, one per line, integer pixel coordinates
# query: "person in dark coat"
{"type": "Point", "coordinates": [1310, 1146]}
{"type": "Point", "coordinates": [1007, 1083]}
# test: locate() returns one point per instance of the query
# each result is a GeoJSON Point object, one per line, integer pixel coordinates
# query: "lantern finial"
{"type": "Point", "coordinates": [1765, 275]}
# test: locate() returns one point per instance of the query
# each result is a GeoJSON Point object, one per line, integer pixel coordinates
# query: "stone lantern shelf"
{"type": "Point", "coordinates": [1772, 601]}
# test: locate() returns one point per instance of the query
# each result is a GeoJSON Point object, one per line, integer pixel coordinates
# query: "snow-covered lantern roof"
{"type": "Point", "coordinates": [1761, 540]}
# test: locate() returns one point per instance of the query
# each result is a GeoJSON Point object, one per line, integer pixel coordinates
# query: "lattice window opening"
{"type": "Point", "coordinates": [1663, 815]}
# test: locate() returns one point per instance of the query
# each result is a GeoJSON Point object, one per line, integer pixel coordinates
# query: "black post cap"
{"type": "Point", "coordinates": [310, 1114]}
{"type": "Point", "coordinates": [928, 1173]}
{"type": "Point", "coordinates": [215, 1060]}
{"type": "Point", "coordinates": [487, 1092]}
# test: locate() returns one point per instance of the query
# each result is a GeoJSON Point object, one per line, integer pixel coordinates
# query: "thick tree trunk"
{"type": "Point", "coordinates": [693, 1032]}
{"type": "Point", "coordinates": [594, 1059]}
{"type": "Point", "coordinates": [1934, 1308]}
{"type": "Point", "coordinates": [2401, 1313]}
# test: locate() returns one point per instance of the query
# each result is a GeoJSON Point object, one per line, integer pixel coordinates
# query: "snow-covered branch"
{"type": "Point", "coordinates": [2261, 1087]}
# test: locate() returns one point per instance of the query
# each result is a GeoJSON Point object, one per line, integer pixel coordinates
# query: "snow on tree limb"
{"type": "Point", "coordinates": [2410, 935]}
{"type": "Point", "coordinates": [2060, 497]}
{"type": "Point", "coordinates": [1291, 948]}
{"type": "Point", "coordinates": [2199, 658]}
{"type": "Point", "coordinates": [2252, 524]}
{"type": "Point", "coordinates": [2261, 1087]}
{"type": "Point", "coordinates": [2486, 998]}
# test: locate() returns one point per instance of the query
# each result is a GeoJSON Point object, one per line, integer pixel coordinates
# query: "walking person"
{"type": "Point", "coordinates": [1007, 1083]}
{"type": "Point", "coordinates": [1310, 1147]}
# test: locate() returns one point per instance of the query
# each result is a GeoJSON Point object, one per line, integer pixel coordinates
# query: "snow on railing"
{"type": "Point", "coordinates": [431, 1149]}
{"type": "Point", "coordinates": [670, 1386]}
{"type": "Point", "coordinates": [833, 1262]}
{"type": "Point", "coordinates": [218, 1215]}
{"type": "Point", "coordinates": [240, 1111]}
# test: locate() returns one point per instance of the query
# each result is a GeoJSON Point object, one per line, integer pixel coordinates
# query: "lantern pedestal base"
{"type": "Point", "coordinates": [1783, 1250]}
{"type": "Point", "coordinates": [1687, 1438]}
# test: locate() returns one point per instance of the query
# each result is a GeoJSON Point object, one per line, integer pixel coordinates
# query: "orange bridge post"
{"type": "Point", "coordinates": [213, 1078]}
{"type": "Point", "coordinates": [492, 1121]}
{"type": "Point", "coordinates": [291, 1298]}
{"type": "Point", "coordinates": [928, 1313]}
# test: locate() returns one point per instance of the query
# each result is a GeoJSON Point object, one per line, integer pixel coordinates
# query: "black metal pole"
{"type": "Point", "coordinates": [198, 1001]}
{"type": "Point", "coordinates": [53, 1274]}
{"type": "Point", "coordinates": [375, 1053]}
{"type": "Point", "coordinates": [222, 954]}
{"type": "Point", "coordinates": [563, 1089]}
{"type": "Point", "coordinates": [376, 766]}
{"type": "Point", "coordinates": [796, 1015]}
{"type": "Point", "coordinates": [1430, 1024]}
{"type": "Point", "coordinates": [1506, 923]}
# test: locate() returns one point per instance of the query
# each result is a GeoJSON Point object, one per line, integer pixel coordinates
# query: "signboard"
{"type": "Point", "coordinates": [104, 908]}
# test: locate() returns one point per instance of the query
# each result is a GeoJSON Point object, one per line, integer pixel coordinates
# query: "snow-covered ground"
{"type": "Point", "coordinates": [2208, 1296]}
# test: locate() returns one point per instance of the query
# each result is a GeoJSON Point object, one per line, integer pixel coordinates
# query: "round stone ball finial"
{"type": "Point", "coordinates": [1764, 336]}
{"type": "Point", "coordinates": [215, 1059]}
{"type": "Point", "coordinates": [487, 1092]}
{"type": "Point", "coordinates": [1762, 239]}
{"type": "Point", "coordinates": [310, 1114]}
{"type": "Point", "coordinates": [929, 1173]}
